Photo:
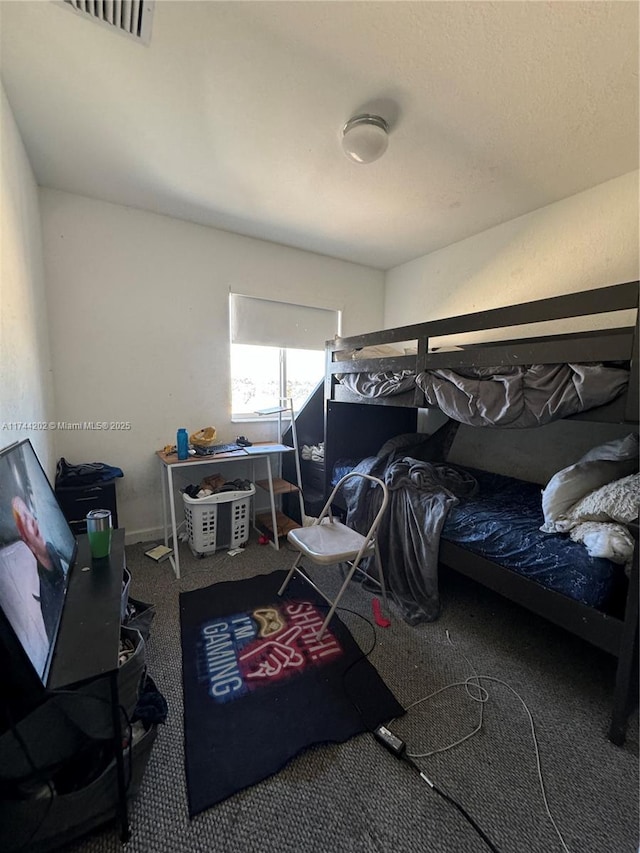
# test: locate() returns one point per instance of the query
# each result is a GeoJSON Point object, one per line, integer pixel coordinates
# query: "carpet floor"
{"type": "Point", "coordinates": [356, 796]}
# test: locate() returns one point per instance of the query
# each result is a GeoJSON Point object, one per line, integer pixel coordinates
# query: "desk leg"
{"type": "Point", "coordinates": [253, 502]}
{"type": "Point", "coordinates": [165, 527]}
{"type": "Point", "coordinates": [174, 531]}
{"type": "Point", "coordinates": [274, 519]}
{"type": "Point", "coordinates": [123, 816]}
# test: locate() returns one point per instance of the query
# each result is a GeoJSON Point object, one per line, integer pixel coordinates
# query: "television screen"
{"type": "Point", "coordinates": [37, 548]}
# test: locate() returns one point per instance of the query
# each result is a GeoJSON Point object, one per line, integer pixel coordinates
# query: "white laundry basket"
{"type": "Point", "coordinates": [220, 521]}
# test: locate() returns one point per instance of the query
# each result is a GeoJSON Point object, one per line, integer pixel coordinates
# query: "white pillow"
{"type": "Point", "coordinates": [617, 501]}
{"type": "Point", "coordinates": [601, 465]}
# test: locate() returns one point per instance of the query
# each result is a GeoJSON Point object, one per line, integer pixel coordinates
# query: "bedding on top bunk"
{"type": "Point", "coordinates": [497, 517]}
{"type": "Point", "coordinates": [519, 396]}
{"type": "Point", "coordinates": [384, 383]}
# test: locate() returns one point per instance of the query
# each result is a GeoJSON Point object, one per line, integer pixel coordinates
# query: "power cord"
{"type": "Point", "coordinates": [394, 744]}
{"type": "Point", "coordinates": [476, 693]}
{"type": "Point", "coordinates": [482, 696]}
{"type": "Point", "coordinates": [362, 656]}
{"type": "Point", "coordinates": [359, 659]}
{"type": "Point", "coordinates": [397, 747]}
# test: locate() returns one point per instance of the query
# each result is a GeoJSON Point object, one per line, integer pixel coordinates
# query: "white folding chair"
{"type": "Point", "coordinates": [326, 543]}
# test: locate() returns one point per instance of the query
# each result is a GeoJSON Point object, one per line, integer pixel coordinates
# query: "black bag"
{"type": "Point", "coordinates": [139, 615]}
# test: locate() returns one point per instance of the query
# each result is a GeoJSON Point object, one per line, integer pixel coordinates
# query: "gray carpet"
{"type": "Point", "coordinates": [356, 796]}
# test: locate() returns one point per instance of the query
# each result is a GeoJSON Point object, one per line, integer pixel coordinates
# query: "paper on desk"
{"type": "Point", "coordinates": [268, 448]}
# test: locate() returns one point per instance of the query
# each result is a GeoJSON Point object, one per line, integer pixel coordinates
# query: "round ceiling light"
{"type": "Point", "coordinates": [365, 138]}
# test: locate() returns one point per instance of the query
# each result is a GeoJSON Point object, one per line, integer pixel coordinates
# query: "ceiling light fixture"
{"type": "Point", "coordinates": [365, 138]}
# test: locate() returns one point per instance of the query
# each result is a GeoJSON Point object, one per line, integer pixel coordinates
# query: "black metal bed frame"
{"type": "Point", "coordinates": [352, 429]}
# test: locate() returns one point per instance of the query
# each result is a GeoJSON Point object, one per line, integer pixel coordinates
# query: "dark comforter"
{"type": "Point", "coordinates": [420, 495]}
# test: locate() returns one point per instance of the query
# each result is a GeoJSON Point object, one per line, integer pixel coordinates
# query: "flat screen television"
{"type": "Point", "coordinates": [37, 551]}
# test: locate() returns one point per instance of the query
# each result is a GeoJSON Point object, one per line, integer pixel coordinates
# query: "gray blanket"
{"type": "Point", "coordinates": [382, 384]}
{"type": "Point", "coordinates": [522, 396]}
{"type": "Point", "coordinates": [420, 495]}
{"type": "Point", "coordinates": [514, 397]}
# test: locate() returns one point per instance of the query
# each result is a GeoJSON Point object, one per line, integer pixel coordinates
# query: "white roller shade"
{"type": "Point", "coordinates": [262, 322]}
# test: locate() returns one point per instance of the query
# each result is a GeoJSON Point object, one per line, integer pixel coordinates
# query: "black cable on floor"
{"type": "Point", "coordinates": [398, 748]}
{"type": "Point", "coordinates": [453, 802]}
{"type": "Point", "coordinates": [363, 656]}
{"type": "Point", "coordinates": [399, 751]}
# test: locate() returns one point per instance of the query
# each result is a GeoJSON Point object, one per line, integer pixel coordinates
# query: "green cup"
{"type": "Point", "coordinates": [99, 532]}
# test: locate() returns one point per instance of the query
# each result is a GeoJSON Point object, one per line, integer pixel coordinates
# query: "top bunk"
{"type": "Point", "coordinates": [522, 365]}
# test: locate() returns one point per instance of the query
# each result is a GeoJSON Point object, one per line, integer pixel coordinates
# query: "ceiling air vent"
{"type": "Point", "coordinates": [132, 17]}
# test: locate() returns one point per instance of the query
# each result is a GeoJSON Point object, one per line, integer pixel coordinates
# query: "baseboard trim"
{"type": "Point", "coordinates": [144, 534]}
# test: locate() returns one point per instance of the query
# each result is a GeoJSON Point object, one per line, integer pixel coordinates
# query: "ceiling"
{"type": "Point", "coordinates": [231, 116]}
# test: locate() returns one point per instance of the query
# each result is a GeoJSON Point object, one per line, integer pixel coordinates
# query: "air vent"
{"type": "Point", "coordinates": [132, 17]}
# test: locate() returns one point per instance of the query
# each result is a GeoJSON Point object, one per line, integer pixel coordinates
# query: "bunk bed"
{"type": "Point", "coordinates": [573, 357]}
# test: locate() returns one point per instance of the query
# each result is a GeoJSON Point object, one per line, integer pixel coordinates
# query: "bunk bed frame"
{"type": "Point", "coordinates": [353, 428]}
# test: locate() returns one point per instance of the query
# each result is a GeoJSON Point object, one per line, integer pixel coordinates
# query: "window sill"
{"type": "Point", "coordinates": [254, 419]}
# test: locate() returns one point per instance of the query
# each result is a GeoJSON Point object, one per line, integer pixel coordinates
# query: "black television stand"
{"type": "Point", "coordinates": [89, 637]}
{"type": "Point", "coordinates": [79, 710]}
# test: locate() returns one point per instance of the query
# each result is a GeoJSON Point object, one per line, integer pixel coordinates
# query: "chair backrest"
{"type": "Point", "coordinates": [370, 534]}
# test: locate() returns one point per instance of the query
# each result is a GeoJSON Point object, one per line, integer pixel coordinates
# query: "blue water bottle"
{"type": "Point", "coordinates": [183, 444]}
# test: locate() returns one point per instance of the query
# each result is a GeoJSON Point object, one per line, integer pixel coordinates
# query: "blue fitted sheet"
{"type": "Point", "coordinates": [501, 522]}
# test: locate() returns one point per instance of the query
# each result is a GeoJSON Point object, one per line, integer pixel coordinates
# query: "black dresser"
{"type": "Point", "coordinates": [77, 501]}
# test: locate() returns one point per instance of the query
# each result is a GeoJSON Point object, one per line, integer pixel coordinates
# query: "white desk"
{"type": "Point", "coordinates": [169, 461]}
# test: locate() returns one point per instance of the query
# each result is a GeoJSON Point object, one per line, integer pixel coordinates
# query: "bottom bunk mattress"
{"type": "Point", "coordinates": [501, 522]}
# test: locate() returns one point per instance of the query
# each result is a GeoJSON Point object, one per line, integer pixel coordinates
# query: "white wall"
{"type": "Point", "coordinates": [585, 241]}
{"type": "Point", "coordinates": [588, 240]}
{"type": "Point", "coordinates": [139, 329]}
{"type": "Point", "coordinates": [26, 390]}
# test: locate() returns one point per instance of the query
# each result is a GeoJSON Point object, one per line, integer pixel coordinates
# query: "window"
{"type": "Point", "coordinates": [304, 368]}
{"type": "Point", "coordinates": [277, 350]}
{"type": "Point", "coordinates": [260, 376]}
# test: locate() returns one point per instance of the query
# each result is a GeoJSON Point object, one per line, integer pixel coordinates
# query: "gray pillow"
{"type": "Point", "coordinates": [601, 465]}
